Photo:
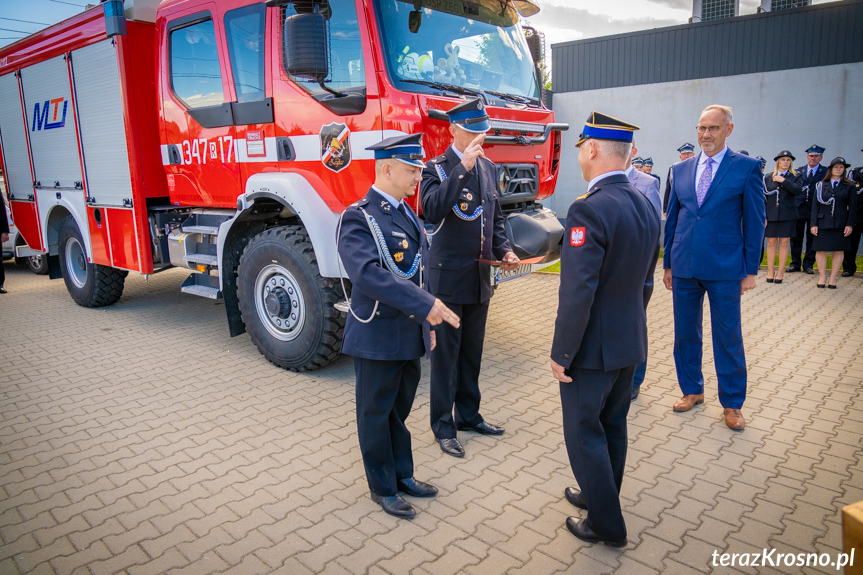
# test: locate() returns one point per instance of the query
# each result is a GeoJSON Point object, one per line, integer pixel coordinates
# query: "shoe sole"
{"type": "Point", "coordinates": [615, 544]}
{"type": "Point", "coordinates": [481, 432]}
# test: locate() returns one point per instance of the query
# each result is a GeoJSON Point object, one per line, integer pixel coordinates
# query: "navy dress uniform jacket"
{"type": "Point", "coordinates": [399, 330]}
{"type": "Point", "coordinates": [454, 274]}
{"type": "Point", "coordinates": [4, 223]}
{"type": "Point", "coordinates": [610, 250]}
{"type": "Point", "coordinates": [782, 206]}
{"type": "Point", "coordinates": [807, 184]}
{"type": "Point", "coordinates": [843, 210]}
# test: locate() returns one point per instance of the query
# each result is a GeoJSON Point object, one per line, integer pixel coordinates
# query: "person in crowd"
{"type": "Point", "coordinates": [459, 196]}
{"type": "Point", "coordinates": [713, 238]}
{"type": "Point", "coordinates": [609, 254]}
{"type": "Point", "coordinates": [810, 174]}
{"type": "Point", "coordinates": [638, 163]}
{"type": "Point", "coordinates": [684, 152]}
{"type": "Point", "coordinates": [648, 167]}
{"type": "Point", "coordinates": [832, 221]}
{"type": "Point", "coordinates": [849, 264]}
{"type": "Point", "coordinates": [780, 196]}
{"type": "Point", "coordinates": [650, 188]}
{"type": "Point", "coordinates": [382, 245]}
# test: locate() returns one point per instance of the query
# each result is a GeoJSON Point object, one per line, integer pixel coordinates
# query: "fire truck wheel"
{"type": "Point", "coordinates": [89, 284]}
{"type": "Point", "coordinates": [285, 303]}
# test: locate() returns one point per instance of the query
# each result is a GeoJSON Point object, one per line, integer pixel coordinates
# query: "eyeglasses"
{"type": "Point", "coordinates": [711, 129]}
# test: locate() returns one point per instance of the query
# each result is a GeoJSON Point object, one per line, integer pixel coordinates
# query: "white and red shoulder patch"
{"type": "Point", "coordinates": [576, 237]}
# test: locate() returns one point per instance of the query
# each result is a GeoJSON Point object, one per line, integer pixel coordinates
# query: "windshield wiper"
{"type": "Point", "coordinates": [450, 87]}
{"type": "Point", "coordinates": [514, 97]}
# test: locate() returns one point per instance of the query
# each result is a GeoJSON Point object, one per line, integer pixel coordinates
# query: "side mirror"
{"type": "Point", "coordinates": [415, 19]}
{"type": "Point", "coordinates": [306, 47]}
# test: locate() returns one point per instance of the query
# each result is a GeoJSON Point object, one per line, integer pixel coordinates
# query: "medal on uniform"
{"type": "Point", "coordinates": [464, 206]}
{"type": "Point", "coordinates": [399, 256]}
{"type": "Point", "coordinates": [404, 244]}
{"type": "Point", "coordinates": [468, 196]}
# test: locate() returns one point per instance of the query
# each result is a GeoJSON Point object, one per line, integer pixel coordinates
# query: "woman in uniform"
{"type": "Point", "coordinates": [832, 220]}
{"type": "Point", "coordinates": [780, 189]}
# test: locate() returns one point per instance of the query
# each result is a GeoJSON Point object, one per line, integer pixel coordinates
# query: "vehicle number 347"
{"type": "Point", "coordinates": [201, 150]}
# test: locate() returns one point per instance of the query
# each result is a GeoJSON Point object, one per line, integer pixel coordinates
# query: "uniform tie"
{"type": "Point", "coordinates": [404, 212]}
{"type": "Point", "coordinates": [834, 183]}
{"type": "Point", "coordinates": [704, 181]}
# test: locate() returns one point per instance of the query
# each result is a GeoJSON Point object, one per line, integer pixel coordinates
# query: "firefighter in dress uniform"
{"type": "Point", "coordinates": [849, 264]}
{"type": "Point", "coordinates": [381, 244]}
{"type": "Point", "coordinates": [810, 174]}
{"type": "Point", "coordinates": [459, 197]}
{"type": "Point", "coordinates": [638, 162]}
{"type": "Point", "coordinates": [647, 168]}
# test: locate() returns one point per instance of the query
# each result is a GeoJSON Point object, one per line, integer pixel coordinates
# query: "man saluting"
{"type": "Point", "coordinates": [458, 195]}
{"type": "Point", "coordinates": [381, 244]}
{"type": "Point", "coordinates": [610, 248]}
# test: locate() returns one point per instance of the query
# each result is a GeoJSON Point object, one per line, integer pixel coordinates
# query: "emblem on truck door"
{"type": "Point", "coordinates": [335, 146]}
{"type": "Point", "coordinates": [48, 118]}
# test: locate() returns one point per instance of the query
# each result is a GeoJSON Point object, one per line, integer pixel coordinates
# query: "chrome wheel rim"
{"type": "Point", "coordinates": [279, 302]}
{"type": "Point", "coordinates": [76, 262]}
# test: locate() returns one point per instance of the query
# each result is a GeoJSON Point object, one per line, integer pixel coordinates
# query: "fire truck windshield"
{"type": "Point", "coordinates": [459, 47]}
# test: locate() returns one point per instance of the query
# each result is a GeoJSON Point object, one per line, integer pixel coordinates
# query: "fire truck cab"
{"type": "Point", "coordinates": [227, 137]}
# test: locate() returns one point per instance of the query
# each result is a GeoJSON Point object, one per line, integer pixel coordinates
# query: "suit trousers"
{"type": "Point", "coordinates": [802, 230]}
{"type": "Point", "coordinates": [385, 395]}
{"type": "Point", "coordinates": [640, 371]}
{"type": "Point", "coordinates": [849, 264]}
{"type": "Point", "coordinates": [455, 365]}
{"type": "Point", "coordinates": [728, 354]}
{"type": "Point", "coordinates": [594, 406]}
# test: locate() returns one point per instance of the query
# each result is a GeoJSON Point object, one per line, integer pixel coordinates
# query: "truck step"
{"type": "Point", "coordinates": [205, 259]}
{"type": "Point", "coordinates": [202, 285]}
{"type": "Point", "coordinates": [203, 291]}
{"type": "Point", "coordinates": [212, 230]}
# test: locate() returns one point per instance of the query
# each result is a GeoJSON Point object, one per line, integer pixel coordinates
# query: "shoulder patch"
{"type": "Point", "coordinates": [581, 197]}
{"type": "Point", "coordinates": [577, 236]}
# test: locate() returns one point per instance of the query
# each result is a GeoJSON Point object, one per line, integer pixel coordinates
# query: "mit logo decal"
{"type": "Point", "coordinates": [40, 117]}
{"type": "Point", "coordinates": [576, 237]}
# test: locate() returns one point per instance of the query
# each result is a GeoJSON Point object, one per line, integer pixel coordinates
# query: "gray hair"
{"type": "Point", "coordinates": [729, 113]}
{"type": "Point", "coordinates": [614, 148]}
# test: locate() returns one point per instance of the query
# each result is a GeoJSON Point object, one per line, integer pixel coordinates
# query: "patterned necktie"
{"type": "Point", "coordinates": [704, 182]}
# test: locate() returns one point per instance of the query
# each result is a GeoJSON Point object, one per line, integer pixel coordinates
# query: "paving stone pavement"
{"type": "Point", "coordinates": [140, 438]}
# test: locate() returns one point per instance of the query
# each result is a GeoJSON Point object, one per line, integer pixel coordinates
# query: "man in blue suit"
{"type": "Point", "coordinates": [382, 243]}
{"type": "Point", "coordinates": [713, 234]}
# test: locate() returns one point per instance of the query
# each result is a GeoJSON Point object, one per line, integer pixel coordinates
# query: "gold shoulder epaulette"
{"type": "Point", "coordinates": [582, 197]}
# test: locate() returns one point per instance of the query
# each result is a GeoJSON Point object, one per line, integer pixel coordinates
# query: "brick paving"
{"type": "Point", "coordinates": [141, 439]}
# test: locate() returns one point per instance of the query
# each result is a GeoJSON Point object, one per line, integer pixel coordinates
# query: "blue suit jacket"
{"type": "Point", "coordinates": [721, 239]}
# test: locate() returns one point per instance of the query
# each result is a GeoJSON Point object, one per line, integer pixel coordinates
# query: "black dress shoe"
{"type": "Point", "coordinates": [575, 497]}
{"type": "Point", "coordinates": [792, 269]}
{"type": "Point", "coordinates": [451, 446]}
{"type": "Point", "coordinates": [847, 274]}
{"type": "Point", "coordinates": [809, 271]}
{"type": "Point", "coordinates": [2, 290]}
{"type": "Point", "coordinates": [414, 488]}
{"type": "Point", "coordinates": [582, 530]}
{"type": "Point", "coordinates": [394, 505]}
{"type": "Point", "coordinates": [634, 393]}
{"type": "Point", "coordinates": [483, 428]}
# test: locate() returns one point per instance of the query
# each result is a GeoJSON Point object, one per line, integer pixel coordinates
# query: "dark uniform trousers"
{"type": "Point", "coordinates": [461, 282]}
{"type": "Point", "coordinates": [387, 349]}
{"type": "Point", "coordinates": [455, 367]}
{"type": "Point", "coordinates": [385, 394]}
{"type": "Point", "coordinates": [849, 264]}
{"type": "Point", "coordinates": [4, 229]}
{"type": "Point", "coordinates": [597, 445]}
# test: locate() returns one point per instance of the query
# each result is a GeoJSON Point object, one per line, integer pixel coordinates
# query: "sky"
{"type": "Point", "coordinates": [559, 20]}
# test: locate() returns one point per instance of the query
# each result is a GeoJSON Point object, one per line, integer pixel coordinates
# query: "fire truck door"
{"type": "Point", "coordinates": [16, 162]}
{"type": "Point", "coordinates": [201, 152]}
{"type": "Point", "coordinates": [245, 35]}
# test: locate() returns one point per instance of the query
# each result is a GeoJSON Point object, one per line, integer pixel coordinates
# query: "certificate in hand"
{"type": "Point", "coordinates": [496, 263]}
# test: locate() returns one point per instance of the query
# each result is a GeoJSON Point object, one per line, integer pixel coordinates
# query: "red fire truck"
{"type": "Point", "coordinates": [228, 137]}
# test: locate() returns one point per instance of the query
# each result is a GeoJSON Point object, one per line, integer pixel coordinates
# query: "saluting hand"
{"type": "Point", "coordinates": [440, 313]}
{"type": "Point", "coordinates": [472, 152]}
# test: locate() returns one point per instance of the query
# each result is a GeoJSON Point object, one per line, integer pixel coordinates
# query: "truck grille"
{"type": "Point", "coordinates": [517, 182]}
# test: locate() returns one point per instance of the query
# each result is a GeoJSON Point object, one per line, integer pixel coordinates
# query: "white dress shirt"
{"type": "Point", "coordinates": [602, 176]}
{"type": "Point", "coordinates": [702, 163]}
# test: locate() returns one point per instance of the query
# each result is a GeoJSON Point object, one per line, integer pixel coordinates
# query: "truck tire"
{"type": "Point", "coordinates": [286, 305]}
{"type": "Point", "coordinates": [89, 284]}
{"type": "Point", "coordinates": [37, 264]}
